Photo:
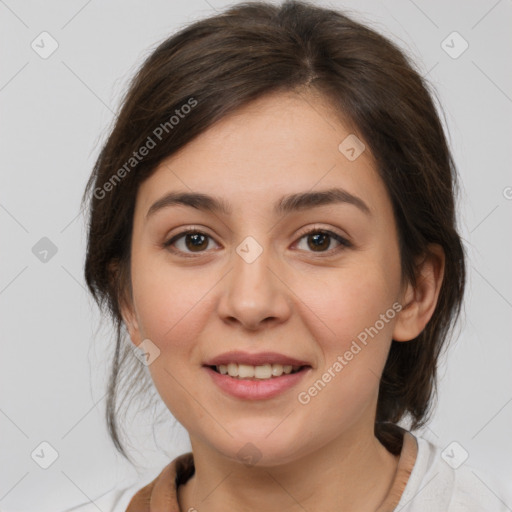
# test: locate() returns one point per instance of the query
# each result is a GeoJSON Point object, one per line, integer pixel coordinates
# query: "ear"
{"type": "Point", "coordinates": [419, 302]}
{"type": "Point", "coordinates": [131, 323]}
{"type": "Point", "coordinates": [125, 303]}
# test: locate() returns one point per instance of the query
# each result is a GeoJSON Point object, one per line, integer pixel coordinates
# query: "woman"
{"type": "Point", "coordinates": [273, 223]}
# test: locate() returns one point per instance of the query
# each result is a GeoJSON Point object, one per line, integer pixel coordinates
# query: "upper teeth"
{"type": "Point", "coordinates": [246, 371]}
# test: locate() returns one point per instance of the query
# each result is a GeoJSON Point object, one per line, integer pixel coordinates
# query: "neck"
{"type": "Point", "coordinates": [352, 473]}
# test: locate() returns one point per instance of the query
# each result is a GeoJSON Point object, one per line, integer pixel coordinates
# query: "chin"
{"type": "Point", "coordinates": [261, 450]}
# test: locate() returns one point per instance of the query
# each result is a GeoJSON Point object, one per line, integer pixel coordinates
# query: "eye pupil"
{"type": "Point", "coordinates": [323, 237]}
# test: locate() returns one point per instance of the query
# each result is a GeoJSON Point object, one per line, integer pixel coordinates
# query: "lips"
{"type": "Point", "coordinates": [256, 388]}
{"type": "Point", "coordinates": [256, 376]}
{"type": "Point", "coordinates": [258, 359]}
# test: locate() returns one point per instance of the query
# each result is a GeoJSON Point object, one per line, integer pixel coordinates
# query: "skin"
{"type": "Point", "coordinates": [293, 299]}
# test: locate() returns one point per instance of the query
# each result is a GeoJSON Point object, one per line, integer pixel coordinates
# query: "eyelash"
{"type": "Point", "coordinates": [344, 243]}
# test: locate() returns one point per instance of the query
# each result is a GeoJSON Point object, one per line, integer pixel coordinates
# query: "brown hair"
{"type": "Point", "coordinates": [224, 62]}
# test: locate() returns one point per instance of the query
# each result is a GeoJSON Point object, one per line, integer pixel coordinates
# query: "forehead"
{"type": "Point", "coordinates": [277, 145]}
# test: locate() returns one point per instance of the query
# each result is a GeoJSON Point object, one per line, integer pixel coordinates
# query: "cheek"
{"type": "Point", "coordinates": [171, 303]}
{"type": "Point", "coordinates": [354, 348]}
{"type": "Point", "coordinates": [351, 317]}
{"type": "Point", "coordinates": [349, 304]}
{"type": "Point", "coordinates": [173, 306]}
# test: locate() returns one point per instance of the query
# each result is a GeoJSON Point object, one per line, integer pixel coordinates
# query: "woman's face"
{"type": "Point", "coordinates": [266, 283]}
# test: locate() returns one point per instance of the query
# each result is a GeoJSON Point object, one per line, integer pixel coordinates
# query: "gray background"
{"type": "Point", "coordinates": [54, 114]}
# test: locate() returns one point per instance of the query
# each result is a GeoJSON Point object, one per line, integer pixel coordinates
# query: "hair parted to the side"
{"type": "Point", "coordinates": [223, 63]}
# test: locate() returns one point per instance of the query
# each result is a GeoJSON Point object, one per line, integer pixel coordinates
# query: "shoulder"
{"type": "Point", "coordinates": [442, 480]}
{"type": "Point", "coordinates": [115, 500]}
{"type": "Point", "coordinates": [161, 488]}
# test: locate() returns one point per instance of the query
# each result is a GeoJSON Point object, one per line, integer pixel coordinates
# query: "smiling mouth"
{"type": "Point", "coordinates": [260, 372]}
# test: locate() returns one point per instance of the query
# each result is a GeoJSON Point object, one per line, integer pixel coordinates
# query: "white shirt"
{"type": "Point", "coordinates": [433, 486]}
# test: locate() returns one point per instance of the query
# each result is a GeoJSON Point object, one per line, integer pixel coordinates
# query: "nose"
{"type": "Point", "coordinates": [254, 294]}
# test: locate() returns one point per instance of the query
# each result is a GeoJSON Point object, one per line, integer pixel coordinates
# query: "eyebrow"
{"type": "Point", "coordinates": [286, 204]}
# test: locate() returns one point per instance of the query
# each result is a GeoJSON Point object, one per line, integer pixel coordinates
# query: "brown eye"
{"type": "Point", "coordinates": [189, 242]}
{"type": "Point", "coordinates": [319, 241]}
{"type": "Point", "coordinates": [195, 241]}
